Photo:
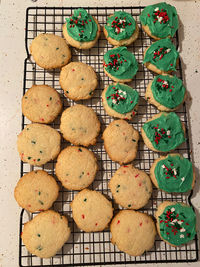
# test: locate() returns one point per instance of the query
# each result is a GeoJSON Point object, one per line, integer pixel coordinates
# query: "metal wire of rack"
{"type": "Point", "coordinates": [95, 248]}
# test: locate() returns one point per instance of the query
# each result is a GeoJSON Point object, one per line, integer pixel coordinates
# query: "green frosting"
{"type": "Point", "coordinates": [177, 224]}
{"type": "Point", "coordinates": [168, 91]}
{"type": "Point", "coordinates": [81, 26]}
{"type": "Point", "coordinates": [174, 174]}
{"type": "Point", "coordinates": [120, 63]}
{"type": "Point", "coordinates": [162, 54]}
{"type": "Point", "coordinates": [161, 18]}
{"type": "Point", "coordinates": [122, 98]}
{"type": "Point", "coordinates": [165, 133]}
{"type": "Point", "coordinates": [120, 26]}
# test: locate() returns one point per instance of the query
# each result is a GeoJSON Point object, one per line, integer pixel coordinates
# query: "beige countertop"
{"type": "Point", "coordinates": [12, 54]}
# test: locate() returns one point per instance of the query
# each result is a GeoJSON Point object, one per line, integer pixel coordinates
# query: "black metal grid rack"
{"type": "Point", "coordinates": [95, 248]}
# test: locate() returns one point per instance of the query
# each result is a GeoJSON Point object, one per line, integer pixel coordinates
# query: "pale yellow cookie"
{"type": "Point", "coordinates": [130, 187]}
{"type": "Point", "coordinates": [147, 30]}
{"type": "Point", "coordinates": [36, 191]}
{"type": "Point", "coordinates": [41, 103]}
{"type": "Point", "coordinates": [50, 51]}
{"type": "Point", "coordinates": [133, 232]}
{"type": "Point", "coordinates": [76, 167]}
{"type": "Point", "coordinates": [45, 234]}
{"type": "Point", "coordinates": [78, 80]}
{"type": "Point", "coordinates": [37, 144]}
{"type": "Point", "coordinates": [91, 211]}
{"type": "Point", "coordinates": [80, 125]}
{"type": "Point", "coordinates": [121, 141]}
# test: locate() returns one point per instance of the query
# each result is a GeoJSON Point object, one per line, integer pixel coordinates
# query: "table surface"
{"type": "Point", "coordinates": [12, 55]}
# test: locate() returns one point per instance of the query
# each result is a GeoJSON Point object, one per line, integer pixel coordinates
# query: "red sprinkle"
{"type": "Point", "coordinates": [141, 224]}
{"type": "Point", "coordinates": [83, 216]}
{"type": "Point", "coordinates": [136, 175]}
{"type": "Point", "coordinates": [73, 69]}
{"type": "Point", "coordinates": [148, 15]}
{"type": "Point", "coordinates": [118, 221]}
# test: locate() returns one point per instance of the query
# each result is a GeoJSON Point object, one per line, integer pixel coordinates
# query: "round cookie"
{"type": "Point", "coordinates": [163, 132]}
{"type": "Point", "coordinates": [37, 144]}
{"type": "Point", "coordinates": [80, 125]}
{"type": "Point", "coordinates": [36, 191]}
{"type": "Point", "coordinates": [45, 234]}
{"type": "Point", "coordinates": [50, 51]}
{"type": "Point", "coordinates": [166, 92]}
{"type": "Point", "coordinates": [91, 211]}
{"type": "Point", "coordinates": [76, 167]}
{"type": "Point", "coordinates": [121, 29]}
{"type": "Point", "coordinates": [81, 30]}
{"type": "Point", "coordinates": [173, 174]}
{"type": "Point", "coordinates": [120, 100]}
{"type": "Point", "coordinates": [41, 103]}
{"type": "Point", "coordinates": [159, 20]}
{"type": "Point", "coordinates": [176, 223]}
{"type": "Point", "coordinates": [133, 232]}
{"type": "Point", "coordinates": [121, 141]}
{"type": "Point", "coordinates": [120, 64]}
{"type": "Point", "coordinates": [161, 57]}
{"type": "Point", "coordinates": [130, 187]}
{"type": "Point", "coordinates": [78, 80]}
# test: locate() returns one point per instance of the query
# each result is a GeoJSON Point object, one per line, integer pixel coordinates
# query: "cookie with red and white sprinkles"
{"type": "Point", "coordinates": [45, 234]}
{"type": "Point", "coordinates": [133, 232]}
{"type": "Point", "coordinates": [38, 143]}
{"type": "Point", "coordinates": [36, 191]}
{"type": "Point", "coordinates": [41, 103]}
{"type": "Point", "coordinates": [130, 187]}
{"type": "Point", "coordinates": [176, 223]}
{"type": "Point", "coordinates": [91, 211]}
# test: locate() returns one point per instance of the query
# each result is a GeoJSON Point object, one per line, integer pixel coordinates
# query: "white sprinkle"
{"type": "Point", "coordinates": [122, 30]}
{"type": "Point", "coordinates": [156, 9]}
{"type": "Point", "coordinates": [172, 209]}
{"type": "Point", "coordinates": [124, 93]}
{"type": "Point", "coordinates": [122, 20]}
{"type": "Point", "coordinates": [174, 221]}
{"type": "Point", "coordinates": [175, 172]}
{"type": "Point", "coordinates": [182, 230]}
{"type": "Point", "coordinates": [79, 17]}
{"type": "Point", "coordinates": [163, 166]}
{"type": "Point", "coordinates": [168, 50]}
{"type": "Point", "coordinates": [179, 222]}
{"type": "Point", "coordinates": [181, 236]}
{"type": "Point", "coordinates": [183, 179]}
{"type": "Point", "coordinates": [165, 82]}
{"type": "Point", "coordinates": [114, 101]}
{"type": "Point", "coordinates": [159, 19]}
{"type": "Point", "coordinates": [168, 132]}
{"type": "Point", "coordinates": [120, 91]}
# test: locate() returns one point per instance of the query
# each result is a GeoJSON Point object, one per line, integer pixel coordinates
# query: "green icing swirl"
{"type": "Point", "coordinates": [120, 63]}
{"type": "Point", "coordinates": [162, 54]}
{"type": "Point", "coordinates": [122, 98]}
{"type": "Point", "coordinates": [120, 26]}
{"type": "Point", "coordinates": [177, 224]}
{"type": "Point", "coordinates": [81, 26]}
{"type": "Point", "coordinates": [174, 174]}
{"type": "Point", "coordinates": [161, 18]}
{"type": "Point", "coordinates": [168, 91]}
{"type": "Point", "coordinates": [165, 133]}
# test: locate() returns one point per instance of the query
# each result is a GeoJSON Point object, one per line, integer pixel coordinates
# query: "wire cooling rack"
{"type": "Point", "coordinates": [84, 249]}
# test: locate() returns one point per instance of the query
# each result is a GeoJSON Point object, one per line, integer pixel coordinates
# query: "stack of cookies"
{"type": "Point", "coordinates": [133, 231]}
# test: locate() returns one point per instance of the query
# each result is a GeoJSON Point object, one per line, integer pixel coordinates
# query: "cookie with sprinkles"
{"type": "Point", "coordinates": [45, 234]}
{"type": "Point", "coordinates": [164, 132]}
{"type": "Point", "coordinates": [130, 187]}
{"type": "Point", "coordinates": [120, 101]}
{"type": "Point", "coordinates": [78, 80]}
{"type": "Point", "coordinates": [133, 232]}
{"type": "Point", "coordinates": [121, 29]}
{"type": "Point", "coordinates": [76, 167]}
{"type": "Point", "coordinates": [80, 125]}
{"type": "Point", "coordinates": [121, 141]}
{"type": "Point", "coordinates": [120, 64]}
{"type": "Point", "coordinates": [50, 51]}
{"type": "Point", "coordinates": [37, 144]}
{"type": "Point", "coordinates": [161, 57]}
{"type": "Point", "coordinates": [159, 20]}
{"type": "Point", "coordinates": [41, 103]}
{"type": "Point", "coordinates": [173, 174]}
{"type": "Point", "coordinates": [36, 191]}
{"type": "Point", "coordinates": [176, 223]}
{"type": "Point", "coordinates": [91, 211]}
{"type": "Point", "coordinates": [166, 92]}
{"type": "Point", "coordinates": [81, 29]}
